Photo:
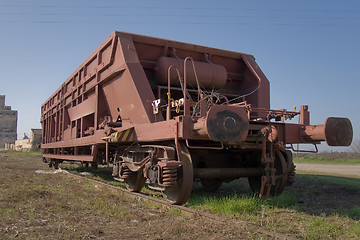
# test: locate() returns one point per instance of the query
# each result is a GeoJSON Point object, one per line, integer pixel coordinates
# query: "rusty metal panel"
{"type": "Point", "coordinates": [124, 84]}
{"type": "Point", "coordinates": [83, 109]}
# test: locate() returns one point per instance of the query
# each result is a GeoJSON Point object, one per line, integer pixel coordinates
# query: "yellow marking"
{"type": "Point", "coordinates": [125, 136]}
{"type": "Point", "coordinates": [131, 139]}
{"type": "Point", "coordinates": [115, 137]}
{"type": "Point", "coordinates": [120, 136]}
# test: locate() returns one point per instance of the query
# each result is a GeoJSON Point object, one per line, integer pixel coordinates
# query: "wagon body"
{"type": "Point", "coordinates": [169, 113]}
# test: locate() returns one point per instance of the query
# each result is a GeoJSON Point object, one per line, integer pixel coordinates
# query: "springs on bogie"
{"type": "Point", "coordinates": [125, 172]}
{"type": "Point", "coordinates": [169, 175]}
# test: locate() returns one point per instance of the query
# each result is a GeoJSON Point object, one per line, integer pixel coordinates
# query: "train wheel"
{"type": "Point", "coordinates": [135, 182]}
{"type": "Point", "coordinates": [281, 172]}
{"type": "Point", "coordinates": [56, 164]}
{"type": "Point", "coordinates": [93, 165]}
{"type": "Point", "coordinates": [210, 185]}
{"type": "Point", "coordinates": [281, 182]}
{"type": "Point", "coordinates": [180, 193]}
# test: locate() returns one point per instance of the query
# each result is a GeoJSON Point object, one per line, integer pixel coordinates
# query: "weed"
{"type": "Point", "coordinates": [320, 228]}
{"type": "Point", "coordinates": [354, 212]}
{"type": "Point", "coordinates": [232, 204]}
{"type": "Point", "coordinates": [19, 154]}
{"type": "Point", "coordinates": [174, 211]}
{"type": "Point", "coordinates": [283, 200]}
{"type": "Point", "coordinates": [340, 181]}
{"type": "Point", "coordinates": [6, 212]}
{"type": "Point", "coordinates": [150, 204]}
{"type": "Point", "coordinates": [327, 209]}
{"type": "Point", "coordinates": [240, 204]}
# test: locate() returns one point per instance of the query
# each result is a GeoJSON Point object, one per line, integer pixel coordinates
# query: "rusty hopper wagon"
{"type": "Point", "coordinates": [167, 113]}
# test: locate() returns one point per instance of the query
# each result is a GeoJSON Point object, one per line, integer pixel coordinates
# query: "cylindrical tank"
{"type": "Point", "coordinates": [223, 124]}
{"type": "Point", "coordinates": [209, 75]}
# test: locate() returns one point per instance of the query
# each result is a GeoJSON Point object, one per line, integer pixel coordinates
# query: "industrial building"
{"type": "Point", "coordinates": [8, 123]}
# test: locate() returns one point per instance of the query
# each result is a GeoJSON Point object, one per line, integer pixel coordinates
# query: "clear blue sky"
{"type": "Point", "coordinates": [309, 50]}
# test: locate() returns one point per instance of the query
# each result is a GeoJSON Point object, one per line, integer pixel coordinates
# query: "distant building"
{"type": "Point", "coordinates": [8, 123]}
{"type": "Point", "coordinates": [28, 144]}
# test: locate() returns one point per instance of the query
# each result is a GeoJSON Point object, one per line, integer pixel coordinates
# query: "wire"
{"type": "Point", "coordinates": [195, 12]}
{"type": "Point", "coordinates": [183, 8]}
{"type": "Point", "coordinates": [175, 15]}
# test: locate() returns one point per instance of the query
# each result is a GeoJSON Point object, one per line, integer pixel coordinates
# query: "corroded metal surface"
{"type": "Point", "coordinates": [159, 110]}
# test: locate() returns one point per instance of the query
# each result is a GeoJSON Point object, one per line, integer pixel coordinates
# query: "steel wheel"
{"type": "Point", "coordinates": [136, 182]}
{"type": "Point", "coordinates": [281, 171]}
{"type": "Point", "coordinates": [180, 193]}
{"type": "Point", "coordinates": [210, 185]}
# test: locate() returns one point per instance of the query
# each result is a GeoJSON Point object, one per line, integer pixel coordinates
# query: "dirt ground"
{"type": "Point", "coordinates": [48, 206]}
{"type": "Point", "coordinates": [44, 206]}
{"type": "Point", "coordinates": [333, 169]}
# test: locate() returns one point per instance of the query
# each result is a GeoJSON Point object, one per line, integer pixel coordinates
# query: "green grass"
{"type": "Point", "coordinates": [281, 213]}
{"type": "Point", "coordinates": [339, 181]}
{"type": "Point", "coordinates": [235, 205]}
{"type": "Point", "coordinates": [330, 228]}
{"type": "Point", "coordinates": [353, 212]}
{"type": "Point", "coordinates": [326, 160]}
{"type": "Point", "coordinates": [12, 153]}
{"type": "Point", "coordinates": [300, 211]}
{"type": "Point", "coordinates": [174, 211]}
{"type": "Point", "coordinates": [306, 210]}
{"type": "Point", "coordinates": [232, 204]}
{"type": "Point", "coordinates": [319, 228]}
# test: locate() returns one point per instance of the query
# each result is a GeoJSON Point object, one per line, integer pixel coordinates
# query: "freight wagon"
{"type": "Point", "coordinates": [168, 113]}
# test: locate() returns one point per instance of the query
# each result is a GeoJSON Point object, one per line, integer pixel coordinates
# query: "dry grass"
{"type": "Point", "coordinates": [39, 206]}
{"type": "Point", "coordinates": [44, 206]}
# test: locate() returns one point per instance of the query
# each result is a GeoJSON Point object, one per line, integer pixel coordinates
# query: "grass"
{"type": "Point", "coordinates": [10, 154]}
{"type": "Point", "coordinates": [316, 207]}
{"type": "Point", "coordinates": [320, 160]}
{"type": "Point", "coordinates": [331, 228]}
{"type": "Point", "coordinates": [57, 206]}
{"type": "Point", "coordinates": [332, 180]}
{"type": "Point", "coordinates": [354, 212]}
{"type": "Point", "coordinates": [318, 216]}
{"type": "Point", "coordinates": [236, 205]}
{"type": "Point", "coordinates": [232, 204]}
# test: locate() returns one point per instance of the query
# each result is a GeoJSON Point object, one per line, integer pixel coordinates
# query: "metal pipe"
{"type": "Point", "coordinates": [168, 87]}
{"type": "Point", "coordinates": [186, 102]}
{"type": "Point", "coordinates": [168, 95]}
{"type": "Point", "coordinates": [335, 131]}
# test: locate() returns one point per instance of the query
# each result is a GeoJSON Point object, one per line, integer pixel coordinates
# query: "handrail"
{"type": "Point", "coordinates": [303, 151]}
{"type": "Point", "coordinates": [184, 86]}
{"type": "Point", "coordinates": [186, 109]}
{"type": "Point", "coordinates": [168, 92]}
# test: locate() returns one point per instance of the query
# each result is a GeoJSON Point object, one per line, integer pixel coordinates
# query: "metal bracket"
{"type": "Point", "coordinates": [304, 151]}
{"type": "Point", "coordinates": [204, 147]}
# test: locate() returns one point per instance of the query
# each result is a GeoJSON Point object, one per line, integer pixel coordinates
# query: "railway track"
{"type": "Point", "coordinates": [185, 210]}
